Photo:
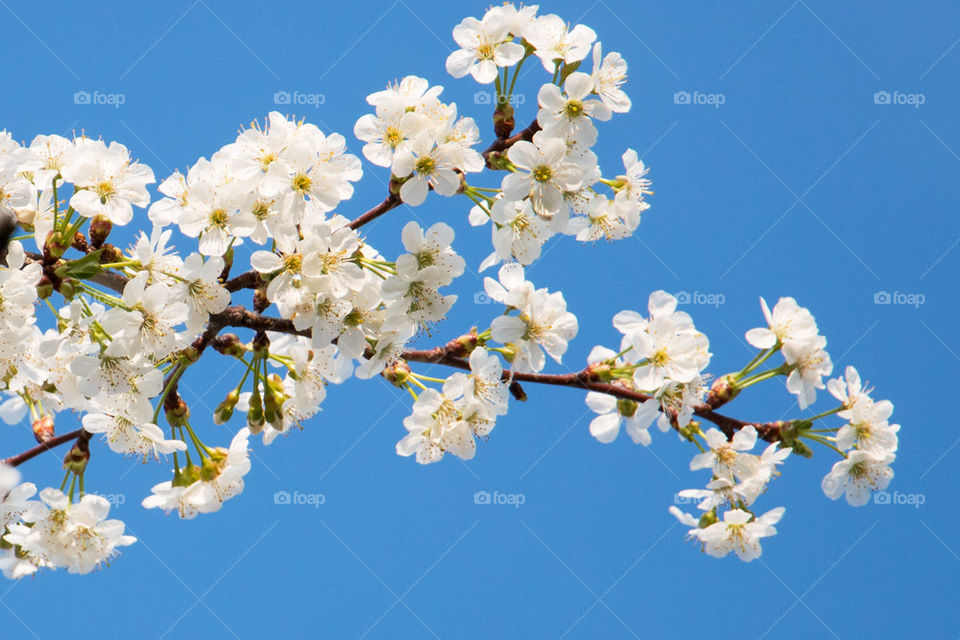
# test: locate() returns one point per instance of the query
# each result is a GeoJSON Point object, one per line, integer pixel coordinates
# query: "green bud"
{"type": "Point", "coordinates": [224, 410]}
{"type": "Point", "coordinates": [626, 407]}
{"type": "Point", "coordinates": [707, 519]}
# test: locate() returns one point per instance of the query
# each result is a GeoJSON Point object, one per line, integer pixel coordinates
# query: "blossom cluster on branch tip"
{"type": "Point", "coordinates": [126, 324]}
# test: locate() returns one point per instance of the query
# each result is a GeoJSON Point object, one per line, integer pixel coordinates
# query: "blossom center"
{"type": "Point", "coordinates": [543, 173]}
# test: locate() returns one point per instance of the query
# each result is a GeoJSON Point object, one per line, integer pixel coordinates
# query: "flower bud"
{"type": "Point", "coordinates": [626, 407]}
{"type": "Point", "coordinates": [100, 228]}
{"type": "Point", "coordinates": [255, 420]}
{"type": "Point", "coordinates": [78, 456]}
{"type": "Point", "coordinates": [708, 518]}
{"type": "Point", "coordinates": [43, 428]}
{"type": "Point", "coordinates": [67, 288]}
{"type": "Point", "coordinates": [261, 345]}
{"type": "Point", "coordinates": [224, 410]}
{"type": "Point", "coordinates": [177, 415]}
{"type": "Point", "coordinates": [110, 254]}
{"type": "Point", "coordinates": [229, 345]}
{"type": "Point", "coordinates": [55, 246]}
{"type": "Point", "coordinates": [397, 373]}
{"type": "Point", "coordinates": [723, 390]}
{"type": "Point", "coordinates": [503, 120]}
{"type": "Point", "coordinates": [44, 288]}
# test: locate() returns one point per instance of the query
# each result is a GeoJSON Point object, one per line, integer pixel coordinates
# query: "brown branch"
{"type": "Point", "coordinates": [391, 201]}
{"type": "Point", "coordinates": [587, 379]}
{"type": "Point", "coordinates": [502, 144]}
{"type": "Point", "coordinates": [20, 458]}
{"type": "Point", "coordinates": [247, 280]}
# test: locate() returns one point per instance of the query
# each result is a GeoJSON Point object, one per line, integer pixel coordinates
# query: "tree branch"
{"type": "Point", "coordinates": [20, 458]}
{"type": "Point", "coordinates": [391, 201]}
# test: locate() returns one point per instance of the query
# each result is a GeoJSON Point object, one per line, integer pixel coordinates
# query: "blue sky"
{"type": "Point", "coordinates": [806, 181]}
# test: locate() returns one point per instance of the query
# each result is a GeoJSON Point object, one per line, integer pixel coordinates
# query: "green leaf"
{"type": "Point", "coordinates": [86, 267]}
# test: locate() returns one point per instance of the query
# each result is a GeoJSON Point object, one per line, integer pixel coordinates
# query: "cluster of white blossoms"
{"type": "Point", "coordinates": [54, 532]}
{"type": "Point", "coordinates": [448, 420]}
{"type": "Point", "coordinates": [792, 330]}
{"type": "Point", "coordinates": [738, 479]}
{"type": "Point", "coordinates": [553, 176]}
{"type": "Point", "coordinates": [420, 138]}
{"type": "Point", "coordinates": [663, 356]}
{"type": "Point", "coordinates": [540, 325]}
{"type": "Point", "coordinates": [867, 439]}
{"type": "Point", "coordinates": [327, 306]}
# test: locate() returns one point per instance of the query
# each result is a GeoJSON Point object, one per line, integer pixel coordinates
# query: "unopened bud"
{"type": "Point", "coordinates": [600, 371]}
{"type": "Point", "coordinates": [78, 456]}
{"type": "Point", "coordinates": [397, 373]}
{"type": "Point", "coordinates": [178, 415]}
{"type": "Point", "coordinates": [261, 345]}
{"type": "Point", "coordinates": [626, 407]}
{"type": "Point", "coordinates": [55, 246]}
{"type": "Point", "coordinates": [503, 120]}
{"type": "Point", "coordinates": [229, 345]}
{"type": "Point", "coordinates": [44, 288]}
{"type": "Point", "coordinates": [224, 410]}
{"type": "Point", "coordinates": [67, 288]}
{"type": "Point", "coordinates": [723, 390]}
{"type": "Point", "coordinates": [708, 519]}
{"type": "Point", "coordinates": [43, 428]}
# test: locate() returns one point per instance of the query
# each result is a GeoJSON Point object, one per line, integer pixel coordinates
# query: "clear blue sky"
{"type": "Point", "coordinates": [798, 184]}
